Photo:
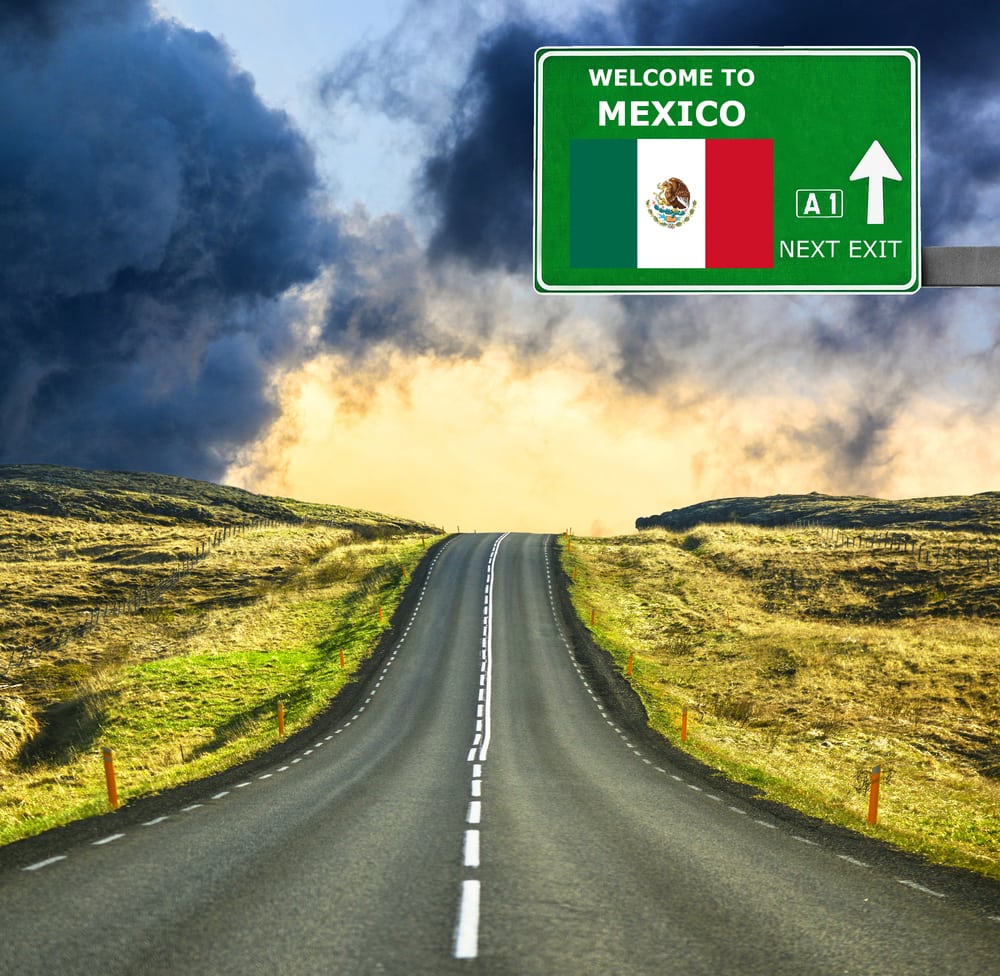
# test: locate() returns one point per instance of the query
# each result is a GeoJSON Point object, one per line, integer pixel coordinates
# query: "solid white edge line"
{"type": "Point", "coordinates": [44, 864]}
{"type": "Point", "coordinates": [920, 887]}
{"type": "Point", "coordinates": [487, 718]}
{"type": "Point", "coordinates": [106, 840]}
{"type": "Point", "coordinates": [467, 926]}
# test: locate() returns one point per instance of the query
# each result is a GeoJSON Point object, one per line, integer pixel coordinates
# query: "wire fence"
{"type": "Point", "coordinates": [981, 552]}
{"type": "Point", "coordinates": [147, 594]}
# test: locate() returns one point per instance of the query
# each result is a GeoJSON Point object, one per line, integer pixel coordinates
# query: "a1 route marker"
{"type": "Point", "coordinates": [727, 170]}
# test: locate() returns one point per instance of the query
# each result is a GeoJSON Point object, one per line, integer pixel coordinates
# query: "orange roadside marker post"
{"type": "Point", "coordinates": [281, 719]}
{"type": "Point", "coordinates": [684, 725]}
{"type": "Point", "coordinates": [342, 658]}
{"type": "Point", "coordinates": [873, 796]}
{"type": "Point", "coordinates": [109, 777]}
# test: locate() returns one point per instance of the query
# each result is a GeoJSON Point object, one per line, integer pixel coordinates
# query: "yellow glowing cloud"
{"type": "Point", "coordinates": [482, 444]}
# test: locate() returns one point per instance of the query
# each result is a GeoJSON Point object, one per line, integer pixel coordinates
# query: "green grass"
{"type": "Point", "coordinates": [182, 716]}
{"type": "Point", "coordinates": [189, 686]}
{"type": "Point", "coordinates": [800, 689]}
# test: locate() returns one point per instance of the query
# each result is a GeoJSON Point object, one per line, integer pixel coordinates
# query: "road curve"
{"type": "Point", "coordinates": [480, 808]}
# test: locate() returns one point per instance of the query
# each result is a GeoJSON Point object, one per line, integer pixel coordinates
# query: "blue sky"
{"type": "Point", "coordinates": [289, 246]}
{"type": "Point", "coordinates": [286, 47]}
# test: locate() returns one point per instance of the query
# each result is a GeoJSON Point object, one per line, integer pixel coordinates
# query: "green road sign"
{"type": "Point", "coordinates": [727, 170]}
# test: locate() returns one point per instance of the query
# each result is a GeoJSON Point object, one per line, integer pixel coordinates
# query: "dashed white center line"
{"type": "Point", "coordinates": [155, 821]}
{"type": "Point", "coordinates": [466, 940]}
{"type": "Point", "coordinates": [467, 927]}
{"type": "Point", "coordinates": [470, 857]}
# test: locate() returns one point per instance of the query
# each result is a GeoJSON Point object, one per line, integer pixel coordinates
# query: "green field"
{"type": "Point", "coordinates": [806, 656]}
{"type": "Point", "coordinates": [187, 683]}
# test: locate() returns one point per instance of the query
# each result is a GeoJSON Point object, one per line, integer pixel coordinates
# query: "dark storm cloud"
{"type": "Point", "coordinates": [881, 352]}
{"type": "Point", "coordinates": [45, 18]}
{"type": "Point", "coordinates": [150, 207]}
{"type": "Point", "coordinates": [477, 180]}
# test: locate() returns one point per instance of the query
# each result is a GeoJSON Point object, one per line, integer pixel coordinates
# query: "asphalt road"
{"type": "Point", "coordinates": [481, 804]}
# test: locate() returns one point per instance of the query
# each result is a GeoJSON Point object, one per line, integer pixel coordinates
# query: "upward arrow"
{"type": "Point", "coordinates": [875, 166]}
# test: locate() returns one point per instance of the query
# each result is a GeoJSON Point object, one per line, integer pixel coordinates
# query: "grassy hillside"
{"type": "Point", "coordinates": [969, 513]}
{"type": "Point", "coordinates": [165, 618]}
{"type": "Point", "coordinates": [808, 655]}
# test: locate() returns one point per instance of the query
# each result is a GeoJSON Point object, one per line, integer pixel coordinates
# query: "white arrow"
{"type": "Point", "coordinates": [875, 166]}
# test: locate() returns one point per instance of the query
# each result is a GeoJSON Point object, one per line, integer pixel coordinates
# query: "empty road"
{"type": "Point", "coordinates": [481, 807]}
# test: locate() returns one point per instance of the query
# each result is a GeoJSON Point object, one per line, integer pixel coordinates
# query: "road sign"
{"type": "Point", "coordinates": [727, 170]}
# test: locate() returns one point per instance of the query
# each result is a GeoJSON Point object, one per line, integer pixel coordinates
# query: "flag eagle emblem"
{"type": "Point", "coordinates": [671, 205]}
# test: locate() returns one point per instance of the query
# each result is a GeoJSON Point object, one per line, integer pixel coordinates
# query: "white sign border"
{"type": "Point", "coordinates": [910, 287]}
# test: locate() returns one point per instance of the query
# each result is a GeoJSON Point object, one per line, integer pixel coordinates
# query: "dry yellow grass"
{"type": "Point", "coordinates": [186, 684]}
{"type": "Point", "coordinates": [804, 663]}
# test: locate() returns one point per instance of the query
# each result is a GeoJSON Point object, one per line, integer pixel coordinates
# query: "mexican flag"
{"type": "Point", "coordinates": [671, 203]}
